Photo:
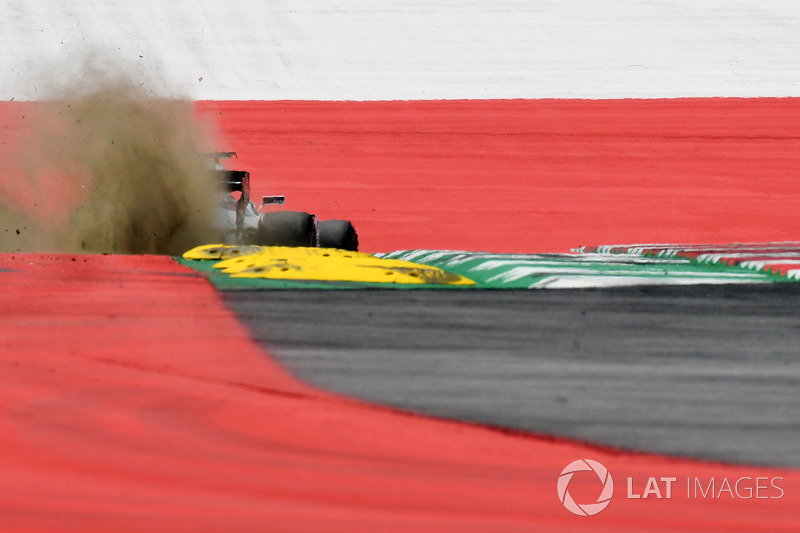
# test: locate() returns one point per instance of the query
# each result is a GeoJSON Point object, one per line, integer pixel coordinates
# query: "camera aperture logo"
{"type": "Point", "coordinates": [585, 509]}
{"type": "Point", "coordinates": [642, 488]}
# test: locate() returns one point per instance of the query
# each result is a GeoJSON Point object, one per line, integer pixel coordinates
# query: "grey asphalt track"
{"type": "Point", "coordinates": [705, 371]}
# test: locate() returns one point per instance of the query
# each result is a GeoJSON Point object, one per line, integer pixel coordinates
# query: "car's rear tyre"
{"type": "Point", "coordinates": [286, 228]}
{"type": "Point", "coordinates": [338, 234]}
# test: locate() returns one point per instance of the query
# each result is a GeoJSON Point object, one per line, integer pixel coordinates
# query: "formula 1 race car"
{"type": "Point", "coordinates": [242, 223]}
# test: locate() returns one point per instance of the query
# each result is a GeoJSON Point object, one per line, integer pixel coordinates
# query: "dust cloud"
{"type": "Point", "coordinates": [121, 170]}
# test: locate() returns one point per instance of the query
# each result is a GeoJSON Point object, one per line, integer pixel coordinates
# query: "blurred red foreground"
{"type": "Point", "coordinates": [132, 400]}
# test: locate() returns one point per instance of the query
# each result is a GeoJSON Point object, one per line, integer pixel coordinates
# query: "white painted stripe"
{"type": "Point", "coordinates": [413, 49]}
{"type": "Point", "coordinates": [678, 247]}
{"type": "Point", "coordinates": [517, 273]}
{"type": "Point", "coordinates": [715, 258]}
{"type": "Point", "coordinates": [769, 262]}
{"type": "Point", "coordinates": [599, 282]}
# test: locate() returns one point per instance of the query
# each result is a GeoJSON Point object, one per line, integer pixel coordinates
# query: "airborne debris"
{"type": "Point", "coordinates": [127, 164]}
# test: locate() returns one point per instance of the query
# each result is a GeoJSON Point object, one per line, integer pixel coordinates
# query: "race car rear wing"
{"type": "Point", "coordinates": [239, 180]}
{"type": "Point", "coordinates": [236, 180]}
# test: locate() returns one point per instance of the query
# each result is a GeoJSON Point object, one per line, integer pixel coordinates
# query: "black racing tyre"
{"type": "Point", "coordinates": [338, 234]}
{"type": "Point", "coordinates": [286, 228]}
